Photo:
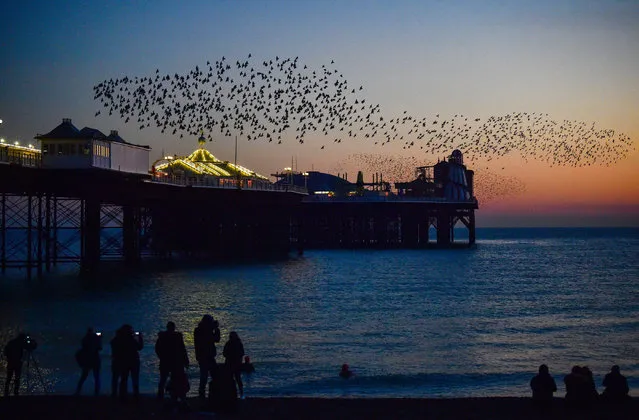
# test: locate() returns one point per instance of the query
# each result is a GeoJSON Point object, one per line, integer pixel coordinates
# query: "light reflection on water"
{"type": "Point", "coordinates": [410, 323]}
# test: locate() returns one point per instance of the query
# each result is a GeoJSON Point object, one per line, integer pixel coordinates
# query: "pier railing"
{"type": "Point", "coordinates": [227, 183]}
{"type": "Point", "coordinates": [384, 198]}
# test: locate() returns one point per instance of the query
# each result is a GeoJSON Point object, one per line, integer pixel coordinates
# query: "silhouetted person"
{"type": "Point", "coordinates": [126, 360]}
{"type": "Point", "coordinates": [247, 366]}
{"type": "Point", "coordinates": [575, 383]}
{"type": "Point", "coordinates": [543, 387]}
{"type": "Point", "coordinates": [173, 357]}
{"type": "Point", "coordinates": [615, 386]}
{"type": "Point", "coordinates": [580, 387]}
{"type": "Point", "coordinates": [591, 393]}
{"type": "Point", "coordinates": [13, 351]}
{"type": "Point", "coordinates": [88, 358]}
{"type": "Point", "coordinates": [206, 334]}
{"type": "Point", "coordinates": [345, 372]}
{"type": "Point", "coordinates": [178, 387]}
{"type": "Point", "coordinates": [233, 354]}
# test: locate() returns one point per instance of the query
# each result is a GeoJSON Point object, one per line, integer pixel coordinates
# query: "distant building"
{"type": "Point", "coordinates": [66, 147]}
{"type": "Point", "coordinates": [448, 180]}
{"type": "Point", "coordinates": [15, 154]}
{"type": "Point", "coordinates": [317, 183]}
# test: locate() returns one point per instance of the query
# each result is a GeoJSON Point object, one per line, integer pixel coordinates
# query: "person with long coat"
{"type": "Point", "coordinates": [233, 353]}
{"type": "Point", "coordinates": [170, 348]}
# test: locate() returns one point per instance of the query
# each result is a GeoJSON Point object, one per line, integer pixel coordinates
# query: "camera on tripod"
{"type": "Point", "coordinates": [29, 344]}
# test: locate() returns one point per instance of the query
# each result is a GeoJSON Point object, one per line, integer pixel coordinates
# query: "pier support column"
{"type": "Point", "coordinates": [130, 234]}
{"type": "Point", "coordinates": [443, 228]}
{"type": "Point", "coordinates": [3, 233]}
{"type": "Point", "coordinates": [300, 236]}
{"type": "Point", "coordinates": [424, 227]}
{"type": "Point", "coordinates": [471, 228]}
{"type": "Point", "coordinates": [409, 231]}
{"type": "Point", "coordinates": [41, 238]}
{"type": "Point", "coordinates": [29, 235]}
{"type": "Point", "coordinates": [381, 231]}
{"type": "Point", "coordinates": [54, 239]}
{"type": "Point", "coordinates": [47, 233]}
{"type": "Point", "coordinates": [91, 236]}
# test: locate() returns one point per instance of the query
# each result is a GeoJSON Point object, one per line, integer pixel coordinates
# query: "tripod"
{"type": "Point", "coordinates": [32, 360]}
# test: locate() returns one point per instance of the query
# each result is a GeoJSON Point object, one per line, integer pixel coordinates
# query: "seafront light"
{"type": "Point", "coordinates": [17, 143]}
{"type": "Point", "coordinates": [1, 140]}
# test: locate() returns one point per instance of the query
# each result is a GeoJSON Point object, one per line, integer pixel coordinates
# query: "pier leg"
{"type": "Point", "coordinates": [424, 227]}
{"type": "Point", "coordinates": [47, 233]}
{"type": "Point", "coordinates": [54, 249]}
{"type": "Point", "coordinates": [409, 231]}
{"type": "Point", "coordinates": [471, 228]}
{"type": "Point", "coordinates": [381, 231]}
{"type": "Point", "coordinates": [443, 228]}
{"type": "Point", "coordinates": [91, 235]}
{"type": "Point", "coordinates": [40, 238]}
{"type": "Point", "coordinates": [131, 237]}
{"type": "Point", "coordinates": [29, 234]}
{"type": "Point", "coordinates": [3, 233]}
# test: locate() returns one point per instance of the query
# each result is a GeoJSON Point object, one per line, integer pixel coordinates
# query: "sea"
{"type": "Point", "coordinates": [473, 322]}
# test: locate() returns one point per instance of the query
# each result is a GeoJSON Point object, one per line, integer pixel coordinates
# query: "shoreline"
{"type": "Point", "coordinates": [104, 407]}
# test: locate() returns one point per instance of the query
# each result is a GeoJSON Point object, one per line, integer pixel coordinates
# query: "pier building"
{"type": "Point", "coordinates": [66, 147]}
{"type": "Point", "coordinates": [202, 168]}
{"type": "Point", "coordinates": [315, 182]}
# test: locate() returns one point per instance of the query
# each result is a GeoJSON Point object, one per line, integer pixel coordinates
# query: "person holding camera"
{"type": "Point", "coordinates": [206, 334]}
{"type": "Point", "coordinates": [125, 348]}
{"type": "Point", "coordinates": [13, 351]}
{"type": "Point", "coordinates": [88, 357]}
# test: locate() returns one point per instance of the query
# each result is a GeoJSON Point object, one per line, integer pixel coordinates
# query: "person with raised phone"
{"type": "Point", "coordinates": [205, 335]}
{"type": "Point", "coordinates": [88, 357]}
{"type": "Point", "coordinates": [125, 348]}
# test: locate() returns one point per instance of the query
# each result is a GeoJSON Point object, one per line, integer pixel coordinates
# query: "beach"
{"type": "Point", "coordinates": [148, 407]}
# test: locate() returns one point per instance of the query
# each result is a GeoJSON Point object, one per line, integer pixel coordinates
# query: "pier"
{"type": "Point", "coordinates": [87, 216]}
{"type": "Point", "coordinates": [86, 198]}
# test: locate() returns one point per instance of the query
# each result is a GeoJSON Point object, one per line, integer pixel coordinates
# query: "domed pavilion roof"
{"type": "Point", "coordinates": [202, 162]}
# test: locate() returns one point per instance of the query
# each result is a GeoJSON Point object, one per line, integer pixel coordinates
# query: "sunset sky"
{"type": "Point", "coordinates": [575, 60]}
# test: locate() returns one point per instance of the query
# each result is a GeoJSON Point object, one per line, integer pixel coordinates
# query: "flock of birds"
{"type": "Point", "coordinates": [489, 186]}
{"type": "Point", "coordinates": [272, 100]}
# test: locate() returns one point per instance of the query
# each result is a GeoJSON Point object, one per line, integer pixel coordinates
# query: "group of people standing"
{"type": "Point", "coordinates": [581, 390]}
{"type": "Point", "coordinates": [174, 360]}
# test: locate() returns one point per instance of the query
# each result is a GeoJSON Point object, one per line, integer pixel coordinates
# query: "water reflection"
{"type": "Point", "coordinates": [409, 323]}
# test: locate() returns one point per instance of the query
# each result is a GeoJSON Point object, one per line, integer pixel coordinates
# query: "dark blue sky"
{"type": "Point", "coordinates": [573, 59]}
